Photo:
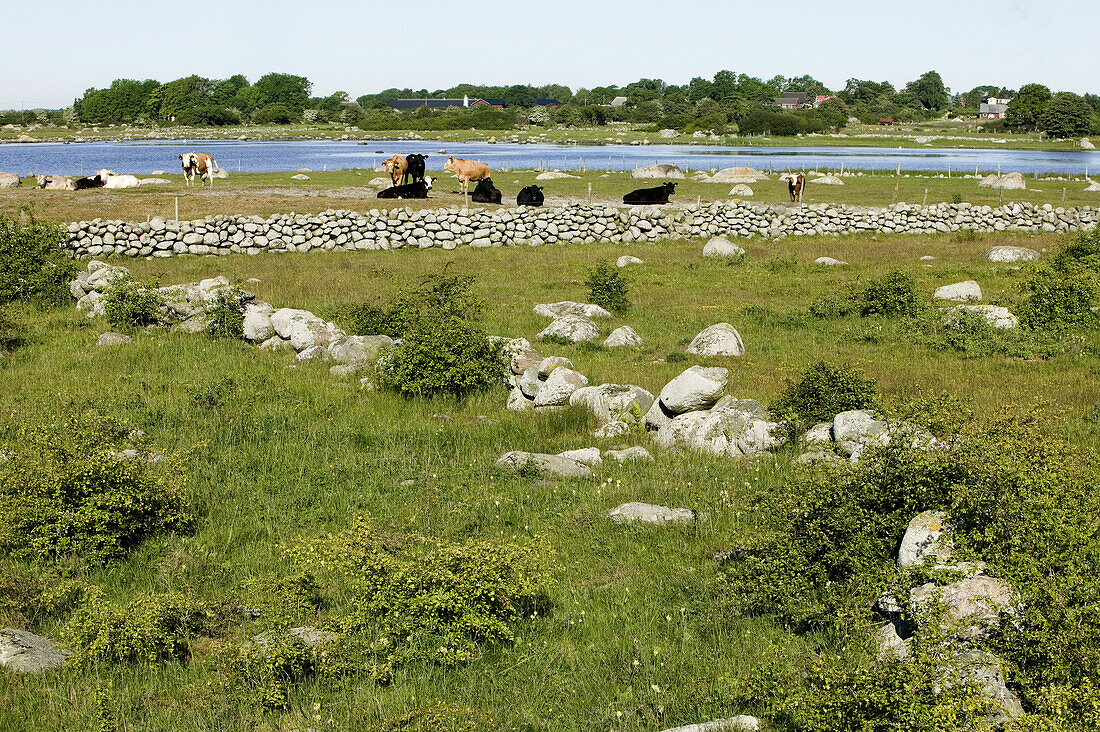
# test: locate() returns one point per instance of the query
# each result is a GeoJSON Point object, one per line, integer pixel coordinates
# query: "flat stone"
{"type": "Point", "coordinates": [627, 260]}
{"type": "Point", "coordinates": [113, 339]}
{"type": "Point", "coordinates": [27, 653]}
{"type": "Point", "coordinates": [590, 456]}
{"type": "Point", "coordinates": [534, 464]}
{"type": "Point", "coordinates": [731, 724]}
{"type": "Point", "coordinates": [649, 513]}
{"type": "Point", "coordinates": [924, 541]}
{"type": "Point", "coordinates": [568, 307]}
{"type": "Point", "coordinates": [830, 262]}
{"type": "Point", "coordinates": [630, 454]}
{"type": "Point", "coordinates": [1011, 254]}
{"type": "Point", "coordinates": [960, 291]}
{"type": "Point", "coordinates": [697, 387]}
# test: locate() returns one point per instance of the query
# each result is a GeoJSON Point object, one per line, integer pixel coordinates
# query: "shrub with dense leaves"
{"type": "Point", "coordinates": [1057, 298]}
{"type": "Point", "coordinates": [823, 391]}
{"type": "Point", "coordinates": [68, 491]}
{"type": "Point", "coordinates": [444, 356]}
{"type": "Point", "coordinates": [608, 287]}
{"type": "Point", "coordinates": [128, 303]}
{"type": "Point", "coordinates": [33, 266]}
{"type": "Point", "coordinates": [892, 295]}
{"type": "Point", "coordinates": [225, 314]}
{"type": "Point", "coordinates": [439, 294]}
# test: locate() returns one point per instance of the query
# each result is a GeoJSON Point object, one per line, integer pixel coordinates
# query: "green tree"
{"type": "Point", "coordinates": [285, 89]}
{"type": "Point", "coordinates": [1067, 115]}
{"type": "Point", "coordinates": [1026, 108]}
{"type": "Point", "coordinates": [929, 91]}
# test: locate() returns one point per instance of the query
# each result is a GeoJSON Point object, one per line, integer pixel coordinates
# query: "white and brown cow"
{"type": "Point", "coordinates": [200, 163]}
{"type": "Point", "coordinates": [54, 182]}
{"type": "Point", "coordinates": [795, 183]}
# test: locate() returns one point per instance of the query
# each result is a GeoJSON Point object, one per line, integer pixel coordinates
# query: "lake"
{"type": "Point", "coordinates": [143, 157]}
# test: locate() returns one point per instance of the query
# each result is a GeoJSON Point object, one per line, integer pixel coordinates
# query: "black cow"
{"type": "Point", "coordinates": [416, 163]}
{"type": "Point", "coordinates": [410, 190]}
{"type": "Point", "coordinates": [485, 192]}
{"type": "Point", "coordinates": [91, 181]}
{"type": "Point", "coordinates": [530, 196]}
{"type": "Point", "coordinates": [651, 195]}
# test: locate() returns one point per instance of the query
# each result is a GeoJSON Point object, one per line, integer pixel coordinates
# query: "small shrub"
{"type": "Point", "coordinates": [608, 287]}
{"type": "Point", "coordinates": [130, 304]}
{"type": "Point", "coordinates": [1084, 251]}
{"type": "Point", "coordinates": [283, 601]}
{"type": "Point", "coordinates": [956, 198]}
{"type": "Point", "coordinates": [390, 319]}
{"type": "Point", "coordinates": [35, 597]}
{"type": "Point", "coordinates": [676, 357]}
{"type": "Point", "coordinates": [439, 718]}
{"type": "Point", "coordinates": [823, 391]}
{"type": "Point", "coordinates": [33, 267]}
{"type": "Point", "coordinates": [225, 314]}
{"type": "Point", "coordinates": [149, 629]}
{"type": "Point", "coordinates": [893, 295]}
{"type": "Point", "coordinates": [438, 295]}
{"type": "Point", "coordinates": [443, 356]}
{"type": "Point", "coordinates": [828, 306]}
{"type": "Point", "coordinates": [591, 347]}
{"type": "Point", "coordinates": [68, 492]}
{"type": "Point", "coordinates": [1058, 298]}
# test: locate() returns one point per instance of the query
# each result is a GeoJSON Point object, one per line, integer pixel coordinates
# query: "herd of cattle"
{"type": "Point", "coordinates": [407, 173]}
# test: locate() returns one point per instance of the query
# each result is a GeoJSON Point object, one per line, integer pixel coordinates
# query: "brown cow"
{"type": "Point", "coordinates": [466, 171]}
{"type": "Point", "coordinates": [200, 163]}
{"type": "Point", "coordinates": [397, 167]}
{"type": "Point", "coordinates": [795, 183]}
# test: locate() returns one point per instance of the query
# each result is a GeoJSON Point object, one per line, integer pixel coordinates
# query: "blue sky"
{"type": "Point", "coordinates": [49, 56]}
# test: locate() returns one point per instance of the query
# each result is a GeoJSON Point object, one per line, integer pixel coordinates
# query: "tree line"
{"type": "Point", "coordinates": [727, 103]}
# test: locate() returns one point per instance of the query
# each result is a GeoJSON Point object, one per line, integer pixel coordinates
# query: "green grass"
{"type": "Point", "coordinates": [284, 454]}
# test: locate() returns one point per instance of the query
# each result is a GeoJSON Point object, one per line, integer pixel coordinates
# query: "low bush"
{"type": "Point", "coordinates": [893, 295]}
{"type": "Point", "coordinates": [823, 391]}
{"type": "Point", "coordinates": [33, 267]}
{"type": "Point", "coordinates": [131, 304]}
{"type": "Point", "coordinates": [225, 314]}
{"type": "Point", "coordinates": [1084, 251]}
{"type": "Point", "coordinates": [1058, 298]}
{"type": "Point", "coordinates": [69, 492]}
{"type": "Point", "coordinates": [437, 295]}
{"type": "Point", "coordinates": [608, 287]}
{"type": "Point", "coordinates": [443, 356]}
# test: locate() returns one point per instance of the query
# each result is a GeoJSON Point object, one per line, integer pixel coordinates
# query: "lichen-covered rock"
{"type": "Point", "coordinates": [630, 454]}
{"type": "Point", "coordinates": [696, 388]}
{"type": "Point", "coordinates": [856, 429]}
{"type": "Point", "coordinates": [720, 246]}
{"type": "Point", "coordinates": [1011, 254]}
{"type": "Point", "coordinates": [623, 336]}
{"type": "Point", "coordinates": [557, 388]}
{"type": "Point", "coordinates": [590, 456]}
{"type": "Point", "coordinates": [573, 327]}
{"type": "Point", "coordinates": [27, 653]}
{"type": "Point", "coordinates": [609, 401]}
{"type": "Point", "coordinates": [359, 351]}
{"type": "Point", "coordinates": [740, 723]}
{"type": "Point", "coordinates": [960, 291]}
{"type": "Point", "coordinates": [568, 307]}
{"type": "Point", "coordinates": [113, 339]}
{"type": "Point", "coordinates": [627, 260]}
{"type": "Point", "coordinates": [995, 315]}
{"type": "Point", "coordinates": [649, 513]}
{"type": "Point", "coordinates": [925, 541]}
{"type": "Point", "coordinates": [533, 464]}
{"type": "Point", "coordinates": [257, 322]}
{"type": "Point", "coordinates": [720, 339]}
{"type": "Point", "coordinates": [972, 604]}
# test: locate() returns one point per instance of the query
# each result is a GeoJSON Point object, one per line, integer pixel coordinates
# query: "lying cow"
{"type": "Point", "coordinates": [54, 182]}
{"type": "Point", "coordinates": [530, 196]}
{"type": "Point", "coordinates": [659, 194]}
{"type": "Point", "coordinates": [200, 163]}
{"type": "Point", "coordinates": [417, 166]}
{"type": "Point", "coordinates": [398, 169]}
{"type": "Point", "coordinates": [795, 183]}
{"type": "Point", "coordinates": [485, 192]}
{"type": "Point", "coordinates": [112, 180]}
{"type": "Point", "coordinates": [410, 190]}
{"type": "Point", "coordinates": [466, 171]}
{"type": "Point", "coordinates": [89, 181]}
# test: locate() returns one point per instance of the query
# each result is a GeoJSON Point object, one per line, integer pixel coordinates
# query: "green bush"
{"type": "Point", "coordinates": [30, 597]}
{"type": "Point", "coordinates": [283, 601]}
{"type": "Point", "coordinates": [429, 599]}
{"type": "Point", "coordinates": [828, 306]}
{"type": "Point", "coordinates": [68, 492]}
{"type": "Point", "coordinates": [225, 314]}
{"type": "Point", "coordinates": [1084, 251]}
{"type": "Point", "coordinates": [148, 629]}
{"type": "Point", "coordinates": [130, 304]}
{"type": "Point", "coordinates": [446, 355]}
{"type": "Point", "coordinates": [1058, 298]}
{"type": "Point", "coordinates": [437, 295]}
{"type": "Point", "coordinates": [33, 267]}
{"type": "Point", "coordinates": [608, 287]}
{"type": "Point", "coordinates": [823, 391]}
{"type": "Point", "coordinates": [892, 295]}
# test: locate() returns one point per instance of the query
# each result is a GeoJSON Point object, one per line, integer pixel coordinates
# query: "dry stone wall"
{"type": "Point", "coordinates": [451, 227]}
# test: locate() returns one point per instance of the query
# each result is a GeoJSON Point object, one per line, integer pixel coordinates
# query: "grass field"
{"type": "Point", "coordinates": [638, 638]}
{"type": "Point", "coordinates": [268, 193]}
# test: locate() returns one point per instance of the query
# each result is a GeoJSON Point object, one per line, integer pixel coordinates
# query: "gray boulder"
{"type": "Point", "coordinates": [568, 307]}
{"type": "Point", "coordinates": [627, 260]}
{"type": "Point", "coordinates": [27, 653]}
{"type": "Point", "coordinates": [359, 351]}
{"type": "Point", "coordinates": [557, 388]}
{"type": "Point", "coordinates": [972, 604]}
{"type": "Point", "coordinates": [573, 327]}
{"type": "Point", "coordinates": [721, 339]}
{"type": "Point", "coordinates": [961, 291]}
{"type": "Point", "coordinates": [257, 322]}
{"type": "Point", "coordinates": [313, 353]}
{"type": "Point", "coordinates": [856, 429]}
{"type": "Point", "coordinates": [648, 513]}
{"type": "Point", "coordinates": [518, 401]}
{"type": "Point", "coordinates": [732, 724]}
{"type": "Point", "coordinates": [623, 336]}
{"type": "Point", "coordinates": [609, 401]}
{"type": "Point", "coordinates": [9, 180]}
{"type": "Point", "coordinates": [529, 382]}
{"type": "Point", "coordinates": [830, 262]}
{"type": "Point", "coordinates": [924, 541]}
{"type": "Point", "coordinates": [720, 246]}
{"type": "Point", "coordinates": [1011, 254]}
{"type": "Point", "coordinates": [590, 456]}
{"type": "Point", "coordinates": [630, 454]}
{"type": "Point", "coordinates": [534, 463]}
{"type": "Point", "coordinates": [113, 339]}
{"type": "Point", "coordinates": [984, 669]}
{"type": "Point", "coordinates": [995, 315]}
{"type": "Point", "coordinates": [696, 388]}
{"type": "Point", "coordinates": [276, 344]}
{"type": "Point", "coordinates": [890, 643]}
{"type": "Point", "coordinates": [660, 170]}
{"type": "Point", "coordinates": [547, 365]}
{"type": "Point", "coordinates": [819, 434]}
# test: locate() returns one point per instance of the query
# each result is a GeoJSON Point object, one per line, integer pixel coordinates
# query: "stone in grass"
{"type": "Point", "coordinates": [648, 513]}
{"type": "Point", "coordinates": [630, 454]}
{"type": "Point", "coordinates": [925, 541]}
{"type": "Point", "coordinates": [534, 463]}
{"type": "Point", "coordinates": [623, 336]}
{"type": "Point", "coordinates": [829, 262]}
{"type": "Point", "coordinates": [962, 291]}
{"type": "Point", "coordinates": [696, 388]}
{"type": "Point", "coordinates": [25, 652]}
{"type": "Point", "coordinates": [1011, 254]}
{"type": "Point", "coordinates": [547, 365]}
{"type": "Point", "coordinates": [995, 315]}
{"type": "Point", "coordinates": [720, 246]}
{"type": "Point", "coordinates": [518, 401]}
{"type": "Point", "coordinates": [742, 723]}
{"type": "Point", "coordinates": [572, 327]}
{"type": "Point", "coordinates": [854, 430]}
{"type": "Point", "coordinates": [568, 307]}
{"type": "Point", "coordinates": [590, 456]}
{"type": "Point", "coordinates": [305, 634]}
{"type": "Point", "coordinates": [113, 339]}
{"type": "Point", "coordinates": [720, 339]}
{"type": "Point", "coordinates": [627, 260]}
{"type": "Point", "coordinates": [558, 386]}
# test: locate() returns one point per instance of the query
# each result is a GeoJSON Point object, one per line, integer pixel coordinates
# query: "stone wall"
{"type": "Point", "coordinates": [450, 228]}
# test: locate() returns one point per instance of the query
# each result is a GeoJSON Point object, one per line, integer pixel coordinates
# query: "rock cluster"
{"type": "Point", "coordinates": [448, 228]}
{"type": "Point", "coordinates": [568, 464]}
{"type": "Point", "coordinates": [852, 432]}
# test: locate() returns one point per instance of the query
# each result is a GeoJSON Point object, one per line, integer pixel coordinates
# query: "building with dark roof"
{"type": "Point", "coordinates": [791, 100]}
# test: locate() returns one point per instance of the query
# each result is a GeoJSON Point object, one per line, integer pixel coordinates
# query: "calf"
{"type": "Point", "coordinates": [200, 163]}
{"type": "Point", "coordinates": [795, 183]}
{"type": "Point", "coordinates": [485, 192]}
{"type": "Point", "coordinates": [417, 166]}
{"type": "Point", "coordinates": [411, 190]}
{"type": "Point", "coordinates": [466, 171]}
{"type": "Point", "coordinates": [397, 167]}
{"type": "Point", "coordinates": [651, 195]}
{"type": "Point", "coordinates": [91, 181]}
{"type": "Point", "coordinates": [530, 196]}
{"type": "Point", "coordinates": [54, 182]}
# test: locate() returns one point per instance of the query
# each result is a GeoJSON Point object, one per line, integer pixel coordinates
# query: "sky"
{"type": "Point", "coordinates": [51, 55]}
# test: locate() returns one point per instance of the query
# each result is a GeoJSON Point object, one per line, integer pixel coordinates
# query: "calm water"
{"type": "Point", "coordinates": [143, 157]}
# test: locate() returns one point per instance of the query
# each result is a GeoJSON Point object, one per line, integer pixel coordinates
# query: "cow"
{"type": "Point", "coordinates": [54, 182]}
{"type": "Point", "coordinates": [200, 163]}
{"type": "Point", "coordinates": [398, 169]}
{"type": "Point", "coordinates": [659, 194]}
{"type": "Point", "coordinates": [112, 180]}
{"type": "Point", "coordinates": [530, 196]}
{"type": "Point", "coordinates": [411, 190]}
{"type": "Point", "coordinates": [795, 183]}
{"type": "Point", "coordinates": [466, 171]}
{"type": "Point", "coordinates": [417, 166]}
{"type": "Point", "coordinates": [485, 192]}
{"type": "Point", "coordinates": [90, 181]}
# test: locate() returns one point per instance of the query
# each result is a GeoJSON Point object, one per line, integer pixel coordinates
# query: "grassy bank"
{"type": "Point", "coordinates": [639, 637]}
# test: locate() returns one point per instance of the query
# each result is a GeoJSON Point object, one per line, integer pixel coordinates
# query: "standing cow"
{"type": "Point", "coordinates": [466, 171]}
{"type": "Point", "coordinates": [398, 169]}
{"type": "Point", "coordinates": [795, 183]}
{"type": "Point", "coordinates": [200, 163]}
